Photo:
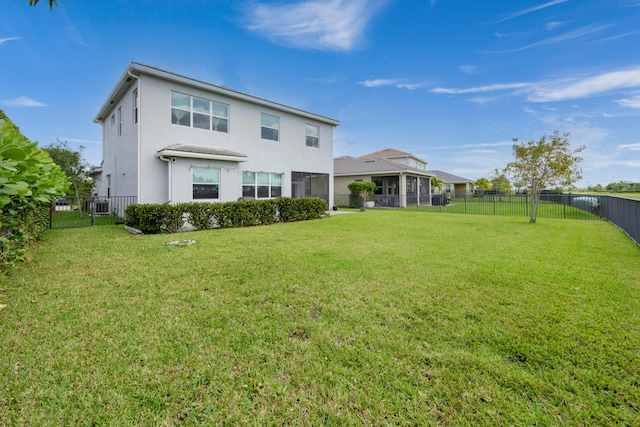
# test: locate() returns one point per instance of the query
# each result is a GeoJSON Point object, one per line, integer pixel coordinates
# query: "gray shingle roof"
{"type": "Point", "coordinates": [351, 166]}
{"type": "Point", "coordinates": [447, 177]}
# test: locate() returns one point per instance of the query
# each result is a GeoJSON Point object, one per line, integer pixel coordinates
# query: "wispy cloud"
{"type": "Point", "coordinates": [8, 39]}
{"type": "Point", "coordinates": [481, 89]}
{"type": "Point", "coordinates": [565, 88]}
{"type": "Point", "coordinates": [334, 25]}
{"type": "Point", "coordinates": [630, 102]}
{"type": "Point", "coordinates": [586, 87]}
{"type": "Point", "coordinates": [477, 146]}
{"type": "Point", "coordinates": [468, 69]}
{"type": "Point", "coordinates": [399, 83]}
{"type": "Point", "coordinates": [531, 9]}
{"type": "Point", "coordinates": [23, 101]}
{"type": "Point", "coordinates": [631, 147]}
{"type": "Point", "coordinates": [559, 39]}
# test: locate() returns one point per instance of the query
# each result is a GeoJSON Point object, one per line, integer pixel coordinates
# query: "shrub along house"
{"type": "Point", "coordinates": [171, 138]}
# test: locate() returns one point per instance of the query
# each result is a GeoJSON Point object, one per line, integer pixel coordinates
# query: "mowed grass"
{"type": "Point", "coordinates": [512, 206]}
{"type": "Point", "coordinates": [374, 318]}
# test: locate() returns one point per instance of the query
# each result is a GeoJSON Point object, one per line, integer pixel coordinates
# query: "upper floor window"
{"type": "Point", "coordinates": [206, 183]}
{"type": "Point", "coordinates": [135, 106]}
{"type": "Point", "coordinates": [119, 120]}
{"type": "Point", "coordinates": [270, 127]}
{"type": "Point", "coordinates": [313, 136]}
{"type": "Point", "coordinates": [201, 113]}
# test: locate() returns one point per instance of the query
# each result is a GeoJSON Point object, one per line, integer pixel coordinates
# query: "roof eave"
{"type": "Point", "coordinates": [395, 172]}
{"type": "Point", "coordinates": [192, 155]}
{"type": "Point", "coordinates": [136, 69]}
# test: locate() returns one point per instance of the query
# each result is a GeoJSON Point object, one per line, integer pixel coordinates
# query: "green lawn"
{"type": "Point", "coordinates": [77, 218]}
{"type": "Point", "coordinates": [374, 318]}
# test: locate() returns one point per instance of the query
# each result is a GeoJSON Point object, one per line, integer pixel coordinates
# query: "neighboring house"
{"type": "Point", "coordinates": [171, 138]}
{"type": "Point", "coordinates": [452, 184]}
{"type": "Point", "coordinates": [400, 177]}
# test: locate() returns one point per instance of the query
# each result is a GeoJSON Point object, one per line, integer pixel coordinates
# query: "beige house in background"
{"type": "Point", "coordinates": [401, 178]}
{"type": "Point", "coordinates": [453, 185]}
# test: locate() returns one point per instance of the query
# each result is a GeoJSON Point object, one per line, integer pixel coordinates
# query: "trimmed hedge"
{"type": "Point", "coordinates": [167, 218]}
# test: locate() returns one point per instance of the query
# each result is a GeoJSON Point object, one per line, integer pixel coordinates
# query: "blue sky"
{"type": "Point", "coordinates": [451, 81]}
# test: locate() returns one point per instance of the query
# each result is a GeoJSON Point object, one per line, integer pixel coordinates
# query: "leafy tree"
{"type": "Point", "coordinates": [482, 184]}
{"type": "Point", "coordinates": [500, 183]}
{"type": "Point", "coordinates": [73, 166]}
{"type": "Point", "coordinates": [547, 162]}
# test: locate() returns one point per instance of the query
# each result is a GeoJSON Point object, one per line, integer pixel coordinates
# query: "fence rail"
{"type": "Point", "coordinates": [622, 212]}
{"type": "Point", "coordinates": [84, 211]}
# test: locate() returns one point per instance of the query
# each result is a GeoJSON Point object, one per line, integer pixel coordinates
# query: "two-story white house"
{"type": "Point", "coordinates": [171, 138]}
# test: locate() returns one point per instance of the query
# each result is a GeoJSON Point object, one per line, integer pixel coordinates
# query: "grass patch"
{"type": "Point", "coordinates": [77, 218]}
{"type": "Point", "coordinates": [374, 318]}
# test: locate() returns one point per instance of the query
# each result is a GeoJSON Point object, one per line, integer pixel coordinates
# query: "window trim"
{"type": "Point", "coordinates": [191, 112]}
{"type": "Point", "coordinates": [307, 136]}
{"type": "Point", "coordinates": [262, 126]}
{"type": "Point", "coordinates": [256, 184]}
{"type": "Point", "coordinates": [193, 182]}
{"type": "Point", "coordinates": [120, 121]}
{"type": "Point", "coordinates": [135, 106]}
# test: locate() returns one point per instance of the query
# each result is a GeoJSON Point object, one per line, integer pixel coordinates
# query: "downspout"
{"type": "Point", "coordinates": [168, 160]}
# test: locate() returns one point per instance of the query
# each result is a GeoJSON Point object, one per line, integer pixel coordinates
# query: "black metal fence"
{"type": "Point", "coordinates": [622, 212]}
{"type": "Point", "coordinates": [84, 211]}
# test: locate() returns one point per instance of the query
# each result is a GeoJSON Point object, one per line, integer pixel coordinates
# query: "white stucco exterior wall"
{"type": "Point", "coordinates": [130, 158]}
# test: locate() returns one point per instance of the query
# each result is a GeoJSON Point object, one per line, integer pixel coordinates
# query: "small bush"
{"type": "Point", "coordinates": [166, 218]}
{"type": "Point", "coordinates": [155, 218]}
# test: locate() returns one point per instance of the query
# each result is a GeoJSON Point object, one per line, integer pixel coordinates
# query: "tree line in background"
{"type": "Point", "coordinates": [500, 184]}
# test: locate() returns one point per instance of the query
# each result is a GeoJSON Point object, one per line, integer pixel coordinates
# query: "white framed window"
{"type": "Point", "coordinates": [219, 117]}
{"type": "Point", "coordinates": [135, 106]}
{"type": "Point", "coordinates": [270, 127]}
{"type": "Point", "coordinates": [261, 185]}
{"type": "Point", "coordinates": [200, 113]}
{"type": "Point", "coordinates": [313, 135]}
{"type": "Point", "coordinates": [119, 121]}
{"type": "Point", "coordinates": [206, 183]}
{"type": "Point", "coordinates": [180, 109]}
